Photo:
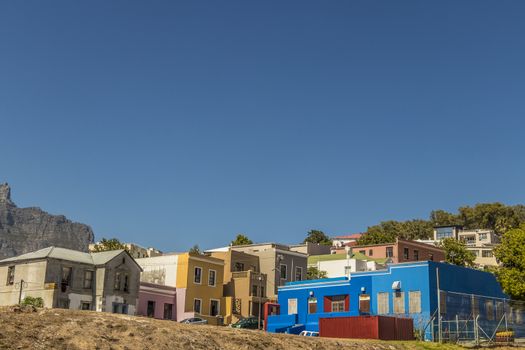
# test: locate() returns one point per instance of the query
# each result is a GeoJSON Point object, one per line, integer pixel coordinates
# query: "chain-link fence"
{"type": "Point", "coordinates": [470, 318]}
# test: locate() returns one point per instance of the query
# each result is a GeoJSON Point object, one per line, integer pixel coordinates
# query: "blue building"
{"type": "Point", "coordinates": [407, 290]}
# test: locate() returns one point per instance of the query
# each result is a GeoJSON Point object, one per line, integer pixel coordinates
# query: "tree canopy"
{"type": "Point", "coordinates": [313, 273]}
{"type": "Point", "coordinates": [319, 237]}
{"type": "Point", "coordinates": [195, 249]}
{"type": "Point", "coordinates": [108, 244]}
{"type": "Point", "coordinates": [494, 216]}
{"type": "Point", "coordinates": [241, 240]}
{"type": "Point", "coordinates": [456, 252]}
{"type": "Point", "coordinates": [511, 254]}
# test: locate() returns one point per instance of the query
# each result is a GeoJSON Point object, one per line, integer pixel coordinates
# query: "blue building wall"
{"type": "Point", "coordinates": [415, 276]}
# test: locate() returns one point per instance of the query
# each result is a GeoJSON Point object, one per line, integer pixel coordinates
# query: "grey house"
{"type": "Point", "coordinates": [64, 278]}
{"type": "Point", "coordinates": [278, 262]}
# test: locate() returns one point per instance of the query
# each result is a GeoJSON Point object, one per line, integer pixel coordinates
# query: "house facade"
{"type": "Point", "coordinates": [407, 290]}
{"type": "Point", "coordinates": [198, 280]}
{"type": "Point", "coordinates": [157, 301]}
{"type": "Point", "coordinates": [244, 284]}
{"type": "Point", "coordinates": [402, 251]}
{"type": "Point", "coordinates": [278, 263]}
{"type": "Point", "coordinates": [340, 265]}
{"type": "Point", "coordinates": [481, 242]}
{"type": "Point", "coordinates": [64, 278]}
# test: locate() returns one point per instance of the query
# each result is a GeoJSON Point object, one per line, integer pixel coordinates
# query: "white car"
{"type": "Point", "coordinates": [309, 334]}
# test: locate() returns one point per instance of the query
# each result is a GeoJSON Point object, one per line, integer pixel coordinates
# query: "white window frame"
{"type": "Point", "coordinates": [292, 301]}
{"type": "Point", "coordinates": [295, 276]}
{"type": "Point", "coordinates": [200, 306]}
{"type": "Point", "coordinates": [218, 306]}
{"type": "Point", "coordinates": [194, 275]}
{"type": "Point", "coordinates": [214, 277]}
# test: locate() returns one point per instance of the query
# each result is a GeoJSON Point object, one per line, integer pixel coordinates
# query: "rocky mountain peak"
{"type": "Point", "coordinates": [5, 194]}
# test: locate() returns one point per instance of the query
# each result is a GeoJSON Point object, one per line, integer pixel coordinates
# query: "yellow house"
{"type": "Point", "coordinates": [198, 280]}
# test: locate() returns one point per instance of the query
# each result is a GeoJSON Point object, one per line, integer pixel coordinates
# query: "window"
{"type": "Point", "coordinates": [126, 283]}
{"type": "Point", "coordinates": [10, 275]}
{"type": "Point", "coordinates": [118, 278]}
{"type": "Point", "coordinates": [370, 252]}
{"type": "Point", "coordinates": [416, 255]}
{"type": "Point", "coordinates": [482, 236]}
{"type": "Point", "coordinates": [500, 310]}
{"type": "Point", "coordinates": [414, 302]}
{"type": "Point", "coordinates": [389, 252]}
{"type": "Point", "coordinates": [237, 306]}
{"type": "Point", "coordinates": [383, 306]}
{"type": "Point", "coordinates": [238, 267]}
{"type": "Point", "coordinates": [214, 307]}
{"type": "Point", "coordinates": [85, 305]}
{"type": "Point", "coordinates": [254, 290]}
{"type": "Point", "coordinates": [362, 252]}
{"type": "Point", "coordinates": [298, 273]}
{"type": "Point", "coordinates": [197, 305]}
{"type": "Point", "coordinates": [151, 308]}
{"type": "Point", "coordinates": [88, 279]}
{"type": "Point", "coordinates": [431, 257]}
{"type": "Point", "coordinates": [474, 301]}
{"type": "Point", "coordinates": [312, 305]}
{"type": "Point", "coordinates": [168, 311]}
{"type": "Point", "coordinates": [262, 291]}
{"type": "Point", "coordinates": [476, 252]}
{"type": "Point", "coordinates": [487, 254]}
{"type": "Point", "coordinates": [364, 304]}
{"type": "Point", "coordinates": [444, 232]}
{"type": "Point", "coordinates": [211, 277]}
{"type": "Point", "coordinates": [406, 254]}
{"type": "Point", "coordinates": [283, 271]}
{"type": "Point", "coordinates": [292, 306]}
{"type": "Point", "coordinates": [197, 275]}
{"type": "Point", "coordinates": [399, 302]}
{"type": "Point", "coordinates": [66, 278]}
{"type": "Point", "coordinates": [338, 303]}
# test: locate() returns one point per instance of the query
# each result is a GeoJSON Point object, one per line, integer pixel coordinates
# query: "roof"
{"type": "Point", "coordinates": [98, 258]}
{"type": "Point", "coordinates": [314, 259]}
{"type": "Point", "coordinates": [352, 236]}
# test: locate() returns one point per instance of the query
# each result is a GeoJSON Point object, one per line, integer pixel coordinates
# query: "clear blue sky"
{"type": "Point", "coordinates": [170, 123]}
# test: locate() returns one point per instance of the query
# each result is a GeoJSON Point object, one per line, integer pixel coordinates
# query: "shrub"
{"type": "Point", "coordinates": [36, 302]}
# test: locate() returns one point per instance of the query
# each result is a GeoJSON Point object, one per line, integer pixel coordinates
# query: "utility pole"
{"type": "Point", "coordinates": [20, 293]}
{"type": "Point", "coordinates": [439, 304]}
{"type": "Point", "coordinates": [260, 301]}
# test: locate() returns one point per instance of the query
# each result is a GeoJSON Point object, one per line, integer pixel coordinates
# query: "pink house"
{"type": "Point", "coordinates": [157, 301]}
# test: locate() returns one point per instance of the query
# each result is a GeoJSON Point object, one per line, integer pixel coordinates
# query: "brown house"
{"type": "Point", "coordinates": [402, 251]}
{"type": "Point", "coordinates": [244, 285]}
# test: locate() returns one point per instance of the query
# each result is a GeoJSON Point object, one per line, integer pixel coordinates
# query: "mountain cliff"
{"type": "Point", "coordinates": [24, 230]}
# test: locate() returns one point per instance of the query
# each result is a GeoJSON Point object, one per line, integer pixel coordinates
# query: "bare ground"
{"type": "Point", "coordinates": [66, 329]}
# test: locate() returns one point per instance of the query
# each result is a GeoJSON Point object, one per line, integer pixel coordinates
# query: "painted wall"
{"type": "Point", "coordinates": [160, 295]}
{"type": "Point", "coordinates": [159, 270]}
{"type": "Point", "coordinates": [413, 277]}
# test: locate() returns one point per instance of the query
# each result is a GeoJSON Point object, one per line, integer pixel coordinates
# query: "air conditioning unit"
{"type": "Point", "coordinates": [396, 285]}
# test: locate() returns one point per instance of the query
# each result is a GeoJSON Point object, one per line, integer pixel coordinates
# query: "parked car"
{"type": "Point", "coordinates": [194, 320]}
{"type": "Point", "coordinates": [248, 322]}
{"type": "Point", "coordinates": [309, 334]}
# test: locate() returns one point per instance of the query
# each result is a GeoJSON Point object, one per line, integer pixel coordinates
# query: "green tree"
{"type": "Point", "coordinates": [443, 218]}
{"type": "Point", "coordinates": [108, 244]}
{"type": "Point", "coordinates": [388, 231]}
{"type": "Point", "coordinates": [241, 240]}
{"type": "Point", "coordinates": [511, 254]}
{"type": "Point", "coordinates": [456, 252]}
{"type": "Point", "coordinates": [195, 249]}
{"type": "Point", "coordinates": [319, 237]}
{"type": "Point", "coordinates": [313, 273]}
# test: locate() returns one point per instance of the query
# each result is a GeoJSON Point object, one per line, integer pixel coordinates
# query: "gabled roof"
{"type": "Point", "coordinates": [99, 258]}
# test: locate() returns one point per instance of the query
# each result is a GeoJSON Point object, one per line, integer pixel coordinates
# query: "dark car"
{"type": "Point", "coordinates": [194, 320]}
{"type": "Point", "coordinates": [248, 322]}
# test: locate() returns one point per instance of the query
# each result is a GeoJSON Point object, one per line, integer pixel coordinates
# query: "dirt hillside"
{"type": "Point", "coordinates": [66, 329]}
